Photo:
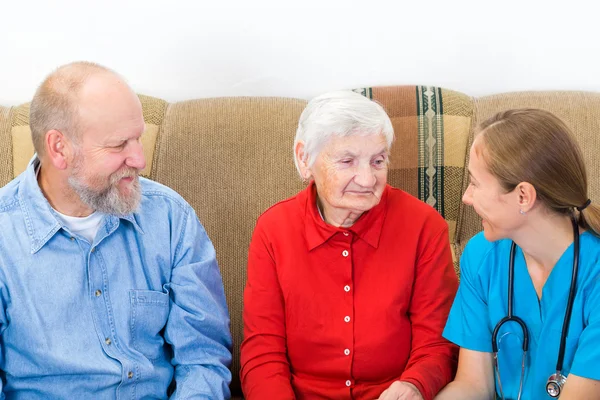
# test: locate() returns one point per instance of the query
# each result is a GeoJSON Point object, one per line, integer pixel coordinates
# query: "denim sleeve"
{"type": "Point", "coordinates": [198, 325]}
{"type": "Point", "coordinates": [4, 301]}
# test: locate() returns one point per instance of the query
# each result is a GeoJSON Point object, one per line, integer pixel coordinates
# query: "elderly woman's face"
{"type": "Point", "coordinates": [350, 173]}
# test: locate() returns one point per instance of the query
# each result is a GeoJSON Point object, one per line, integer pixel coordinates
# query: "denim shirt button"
{"type": "Point", "coordinates": [107, 341]}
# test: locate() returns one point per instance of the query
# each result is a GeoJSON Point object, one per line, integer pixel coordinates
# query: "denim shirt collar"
{"type": "Point", "coordinates": [40, 218]}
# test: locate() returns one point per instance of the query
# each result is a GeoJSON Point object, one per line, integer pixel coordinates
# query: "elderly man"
{"type": "Point", "coordinates": [109, 287]}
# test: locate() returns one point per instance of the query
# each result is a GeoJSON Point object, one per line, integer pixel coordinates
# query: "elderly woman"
{"type": "Point", "coordinates": [350, 281]}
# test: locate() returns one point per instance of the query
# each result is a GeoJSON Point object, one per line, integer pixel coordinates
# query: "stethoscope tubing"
{"type": "Point", "coordinates": [513, 318]}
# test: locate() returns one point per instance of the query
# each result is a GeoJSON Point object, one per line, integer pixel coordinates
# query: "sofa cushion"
{"type": "Point", "coordinates": [432, 128]}
{"type": "Point", "coordinates": [231, 159]}
{"type": "Point", "coordinates": [6, 174]}
{"type": "Point", "coordinates": [22, 145]}
{"type": "Point", "coordinates": [580, 110]}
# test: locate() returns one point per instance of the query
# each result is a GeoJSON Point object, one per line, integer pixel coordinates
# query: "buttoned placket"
{"type": "Point", "coordinates": [103, 313]}
{"type": "Point", "coordinates": [347, 293]}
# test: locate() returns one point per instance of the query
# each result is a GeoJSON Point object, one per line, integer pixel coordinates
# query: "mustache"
{"type": "Point", "coordinates": [126, 172]}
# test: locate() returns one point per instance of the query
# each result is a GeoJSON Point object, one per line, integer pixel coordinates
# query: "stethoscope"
{"type": "Point", "coordinates": [557, 380]}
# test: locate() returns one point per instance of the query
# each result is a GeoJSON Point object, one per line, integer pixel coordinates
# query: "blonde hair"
{"type": "Point", "coordinates": [535, 146]}
{"type": "Point", "coordinates": [54, 105]}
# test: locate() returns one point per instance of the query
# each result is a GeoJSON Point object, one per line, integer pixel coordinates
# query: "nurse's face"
{"type": "Point", "coordinates": [498, 209]}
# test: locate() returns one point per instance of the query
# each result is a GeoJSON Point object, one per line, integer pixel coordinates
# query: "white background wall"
{"type": "Point", "coordinates": [183, 49]}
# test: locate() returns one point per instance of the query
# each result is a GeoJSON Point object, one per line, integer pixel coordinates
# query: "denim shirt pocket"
{"type": "Point", "coordinates": [149, 313]}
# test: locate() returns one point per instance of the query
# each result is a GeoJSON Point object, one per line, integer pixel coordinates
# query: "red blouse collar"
{"type": "Point", "coordinates": [368, 227]}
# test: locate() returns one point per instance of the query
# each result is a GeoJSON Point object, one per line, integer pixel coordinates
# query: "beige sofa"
{"type": "Point", "coordinates": [231, 158]}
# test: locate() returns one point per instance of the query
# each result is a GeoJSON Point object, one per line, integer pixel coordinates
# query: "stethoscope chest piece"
{"type": "Point", "coordinates": [557, 380]}
{"type": "Point", "coordinates": [555, 384]}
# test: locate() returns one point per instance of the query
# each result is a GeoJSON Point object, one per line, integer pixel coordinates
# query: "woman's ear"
{"type": "Point", "coordinates": [302, 159]}
{"type": "Point", "coordinates": [527, 196]}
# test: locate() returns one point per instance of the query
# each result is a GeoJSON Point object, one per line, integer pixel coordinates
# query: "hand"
{"type": "Point", "coordinates": [401, 391]}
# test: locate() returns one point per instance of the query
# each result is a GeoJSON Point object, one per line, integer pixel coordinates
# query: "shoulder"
{"type": "Point", "coordinates": [282, 211]}
{"type": "Point", "coordinates": [410, 211]}
{"type": "Point", "coordinates": [12, 217]}
{"type": "Point", "coordinates": [9, 195]}
{"type": "Point", "coordinates": [158, 195]}
{"type": "Point", "coordinates": [589, 262]}
{"type": "Point", "coordinates": [479, 245]}
{"type": "Point", "coordinates": [163, 211]}
{"type": "Point", "coordinates": [481, 255]}
{"type": "Point", "coordinates": [590, 245]}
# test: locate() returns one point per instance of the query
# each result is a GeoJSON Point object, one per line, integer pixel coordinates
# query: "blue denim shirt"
{"type": "Point", "coordinates": [124, 317]}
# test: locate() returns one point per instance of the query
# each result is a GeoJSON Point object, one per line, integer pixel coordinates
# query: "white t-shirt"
{"type": "Point", "coordinates": [84, 226]}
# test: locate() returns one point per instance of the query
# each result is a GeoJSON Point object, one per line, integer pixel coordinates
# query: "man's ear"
{"type": "Point", "coordinates": [302, 159]}
{"type": "Point", "coordinates": [59, 149]}
{"type": "Point", "coordinates": [527, 196]}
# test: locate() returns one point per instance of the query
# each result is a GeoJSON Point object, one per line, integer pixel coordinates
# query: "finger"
{"type": "Point", "coordinates": [389, 395]}
{"type": "Point", "coordinates": [383, 395]}
{"type": "Point", "coordinates": [407, 395]}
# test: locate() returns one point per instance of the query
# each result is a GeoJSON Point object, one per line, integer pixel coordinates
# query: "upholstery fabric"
{"type": "Point", "coordinates": [22, 146]}
{"type": "Point", "coordinates": [6, 173]}
{"type": "Point", "coordinates": [579, 110]}
{"type": "Point", "coordinates": [432, 128]}
{"type": "Point", "coordinates": [231, 159]}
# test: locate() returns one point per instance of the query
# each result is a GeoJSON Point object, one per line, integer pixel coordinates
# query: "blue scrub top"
{"type": "Point", "coordinates": [481, 302]}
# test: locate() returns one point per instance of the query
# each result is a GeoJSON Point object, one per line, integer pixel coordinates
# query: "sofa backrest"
{"type": "Point", "coordinates": [6, 171]}
{"type": "Point", "coordinates": [432, 127]}
{"type": "Point", "coordinates": [232, 158]}
{"type": "Point", "coordinates": [21, 149]}
{"type": "Point", "coordinates": [579, 110]}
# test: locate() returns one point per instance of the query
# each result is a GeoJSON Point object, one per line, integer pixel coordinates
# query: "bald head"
{"type": "Point", "coordinates": [73, 89]}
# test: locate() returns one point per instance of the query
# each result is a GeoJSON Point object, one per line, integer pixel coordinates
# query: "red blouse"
{"type": "Point", "coordinates": [342, 313]}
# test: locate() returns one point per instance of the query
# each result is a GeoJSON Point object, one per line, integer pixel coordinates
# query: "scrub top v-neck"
{"type": "Point", "coordinates": [481, 302]}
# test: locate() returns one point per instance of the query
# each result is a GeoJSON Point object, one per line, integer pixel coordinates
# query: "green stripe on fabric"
{"type": "Point", "coordinates": [440, 156]}
{"type": "Point", "coordinates": [367, 92]}
{"type": "Point", "coordinates": [422, 184]}
{"type": "Point", "coordinates": [418, 102]}
{"type": "Point", "coordinates": [431, 146]}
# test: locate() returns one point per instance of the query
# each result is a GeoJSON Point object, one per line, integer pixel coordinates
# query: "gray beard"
{"type": "Point", "coordinates": [108, 200]}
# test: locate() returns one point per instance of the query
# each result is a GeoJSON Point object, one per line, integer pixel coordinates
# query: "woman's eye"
{"type": "Point", "coordinates": [346, 161]}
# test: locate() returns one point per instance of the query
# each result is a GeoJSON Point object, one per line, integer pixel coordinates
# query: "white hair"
{"type": "Point", "coordinates": [340, 113]}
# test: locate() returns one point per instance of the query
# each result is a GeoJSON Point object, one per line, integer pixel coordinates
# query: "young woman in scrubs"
{"type": "Point", "coordinates": [528, 183]}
